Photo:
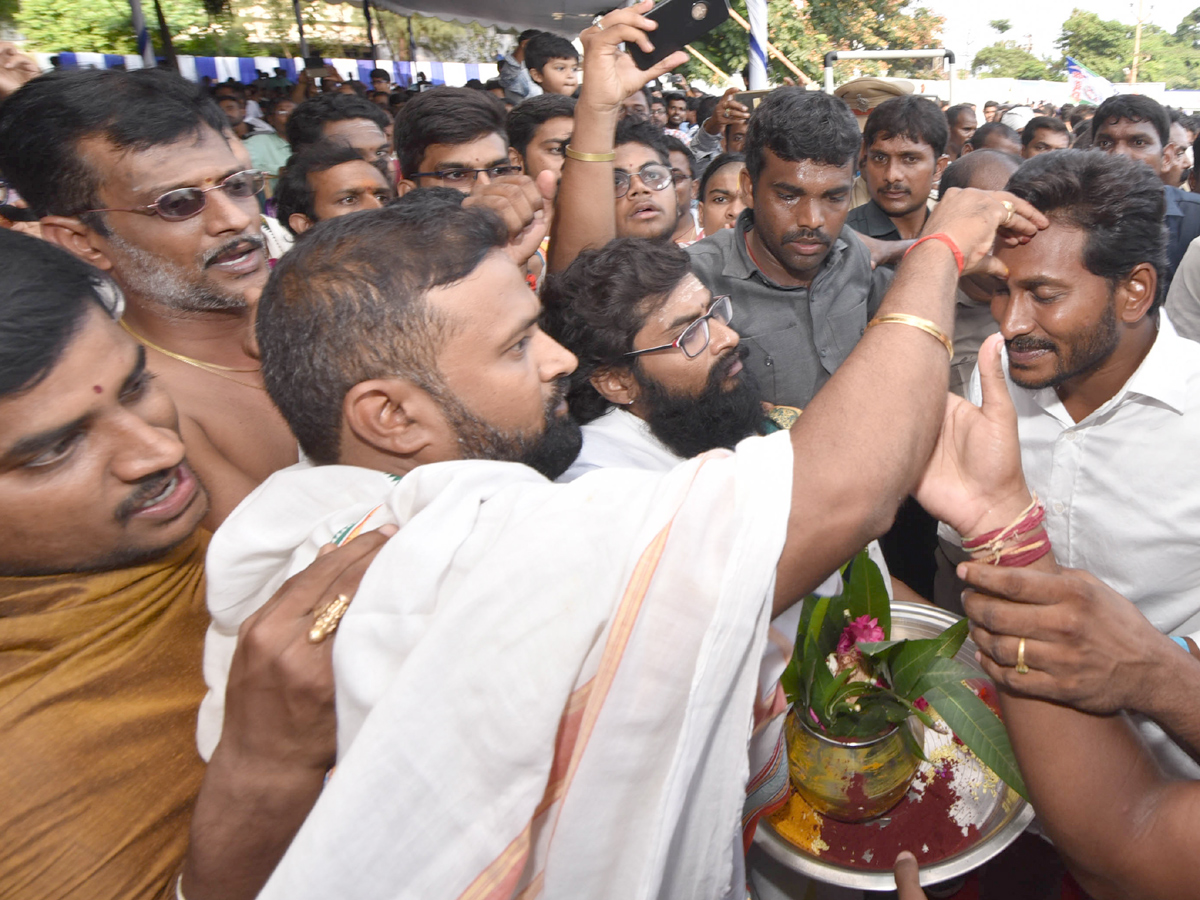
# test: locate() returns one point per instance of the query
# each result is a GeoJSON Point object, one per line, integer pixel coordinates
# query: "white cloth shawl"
{"type": "Point", "coordinates": [542, 690]}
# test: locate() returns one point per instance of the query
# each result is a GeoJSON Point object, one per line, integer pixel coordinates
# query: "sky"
{"type": "Point", "coordinates": [966, 30]}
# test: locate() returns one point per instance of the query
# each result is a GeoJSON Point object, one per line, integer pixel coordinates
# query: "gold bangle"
{"type": "Point", "coordinates": [916, 322]}
{"type": "Point", "coordinates": [572, 153]}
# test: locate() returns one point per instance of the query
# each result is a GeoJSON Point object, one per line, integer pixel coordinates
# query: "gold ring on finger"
{"type": "Point", "coordinates": [327, 619]}
{"type": "Point", "coordinates": [1008, 206]}
{"type": "Point", "coordinates": [1022, 669]}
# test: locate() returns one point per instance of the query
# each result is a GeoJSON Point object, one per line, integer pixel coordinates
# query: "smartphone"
{"type": "Point", "coordinates": [750, 99]}
{"type": "Point", "coordinates": [679, 23]}
{"type": "Point", "coordinates": [316, 68]}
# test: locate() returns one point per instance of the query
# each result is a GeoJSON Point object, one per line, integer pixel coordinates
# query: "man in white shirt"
{"type": "Point", "coordinates": [1107, 394]}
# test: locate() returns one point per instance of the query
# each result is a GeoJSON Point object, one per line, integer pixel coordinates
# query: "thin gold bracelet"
{"type": "Point", "coordinates": [572, 153]}
{"type": "Point", "coordinates": [916, 322]}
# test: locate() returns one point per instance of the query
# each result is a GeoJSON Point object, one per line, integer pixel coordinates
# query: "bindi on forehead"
{"type": "Point", "coordinates": [97, 389]}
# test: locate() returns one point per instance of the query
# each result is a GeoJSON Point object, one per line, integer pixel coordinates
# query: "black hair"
{"type": "Point", "coordinates": [715, 166]}
{"type": "Point", "coordinates": [597, 305]}
{"type": "Point", "coordinates": [238, 92]}
{"type": "Point", "coordinates": [527, 34]}
{"type": "Point", "coordinates": [668, 96]}
{"type": "Point", "coordinates": [43, 123]}
{"type": "Point", "coordinates": [1037, 123]}
{"type": "Point", "coordinates": [639, 131]}
{"type": "Point", "coordinates": [348, 304]}
{"type": "Point", "coordinates": [380, 73]}
{"type": "Point", "coordinates": [1135, 108]}
{"type": "Point", "coordinates": [307, 123]}
{"type": "Point", "coordinates": [954, 112]}
{"type": "Point", "coordinates": [293, 193]}
{"type": "Point", "coordinates": [445, 115]}
{"type": "Point", "coordinates": [673, 143]}
{"type": "Point", "coordinates": [960, 172]}
{"type": "Point", "coordinates": [45, 296]}
{"type": "Point", "coordinates": [979, 139]}
{"type": "Point", "coordinates": [546, 46]}
{"type": "Point", "coordinates": [991, 103]}
{"type": "Point", "coordinates": [528, 116]}
{"type": "Point", "coordinates": [915, 118]}
{"type": "Point", "coordinates": [1116, 202]}
{"type": "Point", "coordinates": [796, 125]}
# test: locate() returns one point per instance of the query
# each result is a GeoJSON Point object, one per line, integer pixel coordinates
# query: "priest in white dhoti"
{"type": "Point", "coordinates": [548, 689]}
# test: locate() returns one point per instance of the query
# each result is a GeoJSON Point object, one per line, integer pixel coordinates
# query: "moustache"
{"type": "Point", "coordinates": [896, 187]}
{"type": "Point", "coordinates": [1028, 344]}
{"type": "Point", "coordinates": [246, 242]}
{"type": "Point", "coordinates": [807, 235]}
{"type": "Point", "coordinates": [150, 486]}
{"type": "Point", "coordinates": [729, 360]}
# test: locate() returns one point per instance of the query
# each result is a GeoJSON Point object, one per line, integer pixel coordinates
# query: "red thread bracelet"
{"type": "Point", "coordinates": [945, 239]}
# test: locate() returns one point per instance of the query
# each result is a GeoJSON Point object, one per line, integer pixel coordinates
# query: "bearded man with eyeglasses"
{"type": "Point", "coordinates": [137, 174]}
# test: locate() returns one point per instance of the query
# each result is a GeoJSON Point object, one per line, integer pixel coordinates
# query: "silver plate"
{"type": "Point", "coordinates": [1009, 816]}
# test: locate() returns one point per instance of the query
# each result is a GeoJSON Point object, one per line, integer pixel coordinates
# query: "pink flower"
{"type": "Point", "coordinates": [860, 631]}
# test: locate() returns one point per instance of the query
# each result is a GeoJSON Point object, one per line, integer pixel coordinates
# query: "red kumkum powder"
{"type": "Point", "coordinates": [920, 823]}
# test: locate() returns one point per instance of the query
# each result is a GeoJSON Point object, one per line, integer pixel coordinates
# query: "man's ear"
{"type": "Point", "coordinates": [1135, 294]}
{"type": "Point", "coordinates": [746, 185]}
{"type": "Point", "coordinates": [403, 186]}
{"type": "Point", "coordinates": [616, 385]}
{"type": "Point", "coordinates": [76, 238]}
{"type": "Point", "coordinates": [536, 75]}
{"type": "Point", "coordinates": [514, 158]}
{"type": "Point", "coordinates": [300, 223]}
{"type": "Point", "coordinates": [392, 416]}
{"type": "Point", "coordinates": [942, 162]}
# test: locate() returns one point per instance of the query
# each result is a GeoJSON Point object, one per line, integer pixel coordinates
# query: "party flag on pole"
{"type": "Point", "coordinates": [1087, 88]}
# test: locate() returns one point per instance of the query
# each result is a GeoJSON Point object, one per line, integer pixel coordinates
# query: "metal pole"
{"type": "Point", "coordinates": [370, 33]}
{"type": "Point", "coordinates": [756, 11]}
{"type": "Point", "coordinates": [300, 28]}
{"type": "Point", "coordinates": [1137, 46]}
{"type": "Point", "coordinates": [144, 47]}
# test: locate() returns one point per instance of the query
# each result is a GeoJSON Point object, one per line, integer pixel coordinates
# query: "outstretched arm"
{"type": "Point", "coordinates": [280, 733]}
{"type": "Point", "coordinates": [585, 213]}
{"type": "Point", "coordinates": [1124, 830]}
{"type": "Point", "coordinates": [864, 440]}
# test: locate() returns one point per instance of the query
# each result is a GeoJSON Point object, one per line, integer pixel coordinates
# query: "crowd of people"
{"type": "Point", "coordinates": [410, 493]}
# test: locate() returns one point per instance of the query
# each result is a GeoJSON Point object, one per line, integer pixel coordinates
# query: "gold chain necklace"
{"type": "Point", "coordinates": [210, 368]}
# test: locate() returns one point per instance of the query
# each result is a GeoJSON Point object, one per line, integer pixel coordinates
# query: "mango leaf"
{"type": "Point", "coordinates": [811, 655]}
{"type": "Point", "coordinates": [789, 680]}
{"type": "Point", "coordinates": [911, 660]}
{"type": "Point", "coordinates": [979, 728]}
{"type": "Point", "coordinates": [874, 648]}
{"type": "Point", "coordinates": [866, 592]}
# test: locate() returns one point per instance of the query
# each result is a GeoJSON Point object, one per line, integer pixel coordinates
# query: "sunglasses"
{"type": "Point", "coordinates": [695, 337]}
{"type": "Point", "coordinates": [183, 203]}
{"type": "Point", "coordinates": [655, 177]}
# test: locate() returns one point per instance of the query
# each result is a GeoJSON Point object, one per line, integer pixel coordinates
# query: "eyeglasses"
{"type": "Point", "coordinates": [655, 177]}
{"type": "Point", "coordinates": [463, 176]}
{"type": "Point", "coordinates": [183, 203]}
{"type": "Point", "coordinates": [695, 337]}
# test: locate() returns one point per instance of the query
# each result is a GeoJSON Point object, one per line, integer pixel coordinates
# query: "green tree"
{"type": "Point", "coordinates": [804, 33]}
{"type": "Point", "coordinates": [1001, 25]}
{"type": "Point", "coordinates": [105, 26]}
{"type": "Point", "coordinates": [1103, 45]}
{"type": "Point", "coordinates": [1004, 59]}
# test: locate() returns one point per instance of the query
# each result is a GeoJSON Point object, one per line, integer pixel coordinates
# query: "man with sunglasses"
{"type": "Point", "coordinates": [453, 137]}
{"type": "Point", "coordinates": [137, 174]}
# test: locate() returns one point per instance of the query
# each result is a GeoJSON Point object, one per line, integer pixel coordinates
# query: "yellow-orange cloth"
{"type": "Point", "coordinates": [100, 679]}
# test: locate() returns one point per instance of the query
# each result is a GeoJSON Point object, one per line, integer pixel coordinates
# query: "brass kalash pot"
{"type": "Point", "coordinates": [852, 779]}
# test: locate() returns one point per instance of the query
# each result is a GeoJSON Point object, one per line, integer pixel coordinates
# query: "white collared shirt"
{"type": "Point", "coordinates": [1122, 487]}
